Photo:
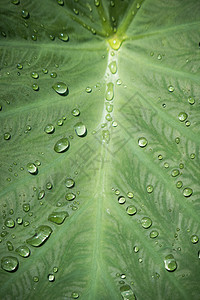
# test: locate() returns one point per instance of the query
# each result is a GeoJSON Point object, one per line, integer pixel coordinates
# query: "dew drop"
{"type": "Point", "coordinates": [171, 88]}
{"type": "Point", "coordinates": [60, 2]}
{"type": "Point", "coordinates": [179, 184]}
{"type": "Point", "coordinates": [75, 295]}
{"type": "Point", "coordinates": [60, 122]}
{"type": "Point", "coordinates": [15, 2]}
{"type": "Point", "coordinates": [121, 200]}
{"type": "Point", "coordinates": [75, 112]}
{"type": "Point", "coordinates": [19, 66]}
{"type": "Point", "coordinates": [9, 222]}
{"type": "Point", "coordinates": [55, 269]}
{"type": "Point", "coordinates": [35, 278]}
{"type": "Point", "coordinates": [113, 67]}
{"type": "Point", "coordinates": [192, 155]}
{"type": "Point", "coordinates": [19, 220]}
{"type": "Point", "coordinates": [49, 186]}
{"type": "Point", "coordinates": [131, 210]}
{"type": "Point", "coordinates": [70, 183]}
{"type": "Point", "coordinates": [9, 263]}
{"type": "Point", "coordinates": [191, 100]}
{"type": "Point", "coordinates": [177, 140]}
{"type": "Point", "coordinates": [49, 128]}
{"type": "Point", "coordinates": [182, 116]}
{"type": "Point", "coordinates": [153, 234]}
{"type": "Point", "coordinates": [61, 145]}
{"type": "Point", "coordinates": [88, 90]}
{"type": "Point", "coordinates": [170, 263]}
{"type": "Point", "coordinates": [58, 217]}
{"type": "Point", "coordinates": [110, 91]}
{"type": "Point", "coordinates": [146, 222]}
{"type": "Point", "coordinates": [23, 251]}
{"type": "Point", "coordinates": [70, 196]}
{"type": "Point", "coordinates": [136, 249]}
{"type": "Point", "coordinates": [25, 14]}
{"type": "Point", "coordinates": [127, 293]}
{"type": "Point", "coordinates": [53, 74]}
{"type": "Point", "coordinates": [44, 70]}
{"type": "Point", "coordinates": [63, 37]}
{"type": "Point", "coordinates": [34, 75]}
{"type": "Point", "coordinates": [42, 233]}
{"type": "Point", "coordinates": [106, 136]}
{"type": "Point", "coordinates": [150, 189]}
{"type": "Point", "coordinates": [175, 173]}
{"type": "Point", "coordinates": [142, 142]}
{"type": "Point", "coordinates": [31, 168]}
{"type": "Point", "coordinates": [26, 207]}
{"type": "Point", "coordinates": [130, 195]}
{"type": "Point", "coordinates": [60, 88]}
{"type": "Point", "coordinates": [41, 195]}
{"type": "Point", "coordinates": [187, 192]}
{"type": "Point", "coordinates": [35, 87]}
{"type": "Point", "coordinates": [80, 129]}
{"type": "Point", "coordinates": [51, 277]}
{"type": "Point", "coordinates": [7, 136]}
{"type": "Point", "coordinates": [109, 107]}
{"type": "Point", "coordinates": [194, 239]}
{"type": "Point", "coordinates": [9, 246]}
{"type": "Point", "coordinates": [96, 3]}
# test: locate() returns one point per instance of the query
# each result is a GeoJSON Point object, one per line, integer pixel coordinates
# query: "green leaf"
{"type": "Point", "coordinates": [100, 149]}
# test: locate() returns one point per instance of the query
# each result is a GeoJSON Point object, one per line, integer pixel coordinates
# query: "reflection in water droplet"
{"type": "Point", "coordinates": [187, 192]}
{"type": "Point", "coordinates": [42, 233]}
{"type": "Point", "coordinates": [31, 168]}
{"type": "Point", "coordinates": [80, 129]}
{"type": "Point", "coordinates": [23, 251]}
{"type": "Point", "coordinates": [146, 222]}
{"type": "Point", "coordinates": [35, 87]}
{"type": "Point", "coordinates": [153, 234]}
{"type": "Point", "coordinates": [9, 263]}
{"type": "Point", "coordinates": [35, 278]}
{"type": "Point", "coordinates": [182, 116]}
{"type": "Point", "coordinates": [110, 91]}
{"type": "Point", "coordinates": [88, 89]}
{"type": "Point", "coordinates": [121, 200]}
{"type": "Point", "coordinates": [142, 142]}
{"type": "Point", "coordinates": [194, 239]}
{"type": "Point", "coordinates": [131, 210]}
{"type": "Point", "coordinates": [60, 88]}
{"type": "Point", "coordinates": [58, 217]}
{"type": "Point", "coordinates": [53, 75]}
{"type": "Point", "coordinates": [63, 37]}
{"type": "Point", "coordinates": [19, 220]}
{"type": "Point", "coordinates": [127, 293]}
{"type": "Point", "coordinates": [136, 249]}
{"type": "Point", "coordinates": [61, 145]}
{"type": "Point", "coordinates": [49, 128]}
{"type": "Point", "coordinates": [49, 185]}
{"type": "Point", "coordinates": [170, 263]}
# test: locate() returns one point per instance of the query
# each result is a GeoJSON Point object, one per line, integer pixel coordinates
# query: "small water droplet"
{"type": "Point", "coordinates": [166, 165]}
{"type": "Point", "coordinates": [146, 222]}
{"type": "Point", "coordinates": [191, 100]}
{"type": "Point", "coordinates": [49, 186]}
{"type": "Point", "coordinates": [7, 136]}
{"type": "Point", "coordinates": [110, 91]}
{"type": "Point", "coordinates": [192, 155]}
{"type": "Point", "coordinates": [113, 67]}
{"type": "Point", "coordinates": [75, 295]}
{"type": "Point", "coordinates": [160, 157]}
{"type": "Point", "coordinates": [179, 184]}
{"type": "Point", "coordinates": [35, 278]}
{"type": "Point", "coordinates": [136, 249]}
{"type": "Point", "coordinates": [53, 74]}
{"type": "Point", "coordinates": [194, 239]}
{"type": "Point", "coordinates": [9, 263]}
{"type": "Point", "coordinates": [51, 277]}
{"type": "Point", "coordinates": [121, 200]}
{"type": "Point", "coordinates": [42, 233]}
{"type": "Point", "coordinates": [44, 70]}
{"type": "Point", "coordinates": [35, 87]}
{"type": "Point", "coordinates": [153, 234]}
{"type": "Point", "coordinates": [49, 128]}
{"type": "Point", "coordinates": [177, 140]}
{"type": "Point", "coordinates": [9, 246]}
{"type": "Point", "coordinates": [127, 293]}
{"type": "Point", "coordinates": [171, 88]}
{"type": "Point", "coordinates": [41, 194]}
{"type": "Point", "coordinates": [60, 2]}
{"type": "Point", "coordinates": [96, 3]}
{"type": "Point", "coordinates": [80, 129]}
{"type": "Point", "coordinates": [58, 217]}
{"type": "Point", "coordinates": [175, 173]}
{"type": "Point", "coordinates": [60, 88]}
{"type": "Point", "coordinates": [70, 196]}
{"type": "Point", "coordinates": [25, 14]}
{"type": "Point", "coordinates": [55, 269]}
{"type": "Point", "coordinates": [61, 145]}
{"type": "Point", "coordinates": [60, 122]}
{"type": "Point", "coordinates": [63, 37]}
{"type": "Point", "coordinates": [75, 112]}
{"type": "Point", "coordinates": [130, 195]}
{"type": "Point", "coordinates": [15, 2]}
{"type": "Point", "coordinates": [32, 168]}
{"type": "Point", "coordinates": [9, 222]}
{"type": "Point", "coordinates": [182, 116]}
{"type": "Point", "coordinates": [170, 263]}
{"type": "Point", "coordinates": [88, 89]}
{"type": "Point", "coordinates": [23, 251]}
{"type": "Point", "coordinates": [26, 207]}
{"type": "Point", "coordinates": [131, 210]}
{"type": "Point", "coordinates": [19, 220]}
{"type": "Point", "coordinates": [119, 82]}
{"type": "Point", "coordinates": [70, 183]}
{"type": "Point", "coordinates": [187, 192]}
{"type": "Point", "coordinates": [142, 142]}
{"type": "Point", "coordinates": [19, 66]}
{"type": "Point", "coordinates": [34, 75]}
{"type": "Point", "coordinates": [150, 188]}
{"type": "Point", "coordinates": [187, 123]}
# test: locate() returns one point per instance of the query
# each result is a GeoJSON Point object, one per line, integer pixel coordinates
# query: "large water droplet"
{"type": "Point", "coordinates": [182, 116]}
{"type": "Point", "coordinates": [9, 222]}
{"type": "Point", "coordinates": [121, 200]}
{"type": "Point", "coordinates": [142, 142]}
{"type": "Point", "coordinates": [63, 37]}
{"type": "Point", "coordinates": [42, 233]}
{"type": "Point", "coordinates": [34, 75]}
{"type": "Point", "coordinates": [60, 88]}
{"type": "Point", "coordinates": [110, 91]}
{"type": "Point", "coordinates": [7, 136]}
{"type": "Point", "coordinates": [70, 183]}
{"type": "Point", "coordinates": [131, 210]}
{"type": "Point", "coordinates": [80, 129]}
{"type": "Point", "coordinates": [61, 145]}
{"type": "Point", "coordinates": [187, 192]}
{"type": "Point", "coordinates": [70, 196]}
{"type": "Point", "coordinates": [25, 14]}
{"type": "Point", "coordinates": [113, 67]}
{"type": "Point", "coordinates": [146, 222]}
{"type": "Point", "coordinates": [32, 169]}
{"type": "Point", "coordinates": [194, 239]}
{"type": "Point", "coordinates": [23, 251]}
{"type": "Point", "coordinates": [9, 263]}
{"type": "Point", "coordinates": [49, 128]}
{"type": "Point", "coordinates": [58, 217]}
{"type": "Point", "coordinates": [170, 263]}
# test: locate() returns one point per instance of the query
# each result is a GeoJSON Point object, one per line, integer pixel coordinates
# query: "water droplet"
{"type": "Point", "coordinates": [53, 74]}
{"type": "Point", "coordinates": [142, 142]}
{"type": "Point", "coordinates": [19, 220]}
{"type": "Point", "coordinates": [34, 38]}
{"type": "Point", "coordinates": [9, 222]}
{"type": "Point", "coordinates": [51, 277]}
{"type": "Point", "coordinates": [16, 2]}
{"type": "Point", "coordinates": [19, 66]}
{"type": "Point", "coordinates": [49, 128]}
{"type": "Point", "coordinates": [44, 70]}
{"type": "Point", "coordinates": [61, 145]}
{"type": "Point", "coordinates": [70, 196]}
{"type": "Point", "coordinates": [187, 192]}
{"type": "Point", "coordinates": [75, 295]}
{"type": "Point", "coordinates": [177, 140]}
{"type": "Point", "coordinates": [194, 239]}
{"type": "Point", "coordinates": [166, 165]}
{"type": "Point", "coordinates": [119, 82]}
{"type": "Point", "coordinates": [136, 249]}
{"type": "Point", "coordinates": [115, 43]}
{"type": "Point", "coordinates": [96, 3]}
{"type": "Point", "coordinates": [106, 136]}
{"type": "Point", "coordinates": [153, 234]}
{"type": "Point", "coordinates": [191, 100]}
{"type": "Point", "coordinates": [9, 246]}
{"type": "Point", "coordinates": [131, 210]}
{"type": "Point", "coordinates": [159, 57]}
{"type": "Point", "coordinates": [150, 188]}
{"type": "Point", "coordinates": [25, 14]}
{"type": "Point", "coordinates": [35, 87]}
{"type": "Point", "coordinates": [26, 207]}
{"type": "Point", "coordinates": [34, 75]}
{"type": "Point", "coordinates": [75, 112]}
{"type": "Point", "coordinates": [42, 233]}
{"type": "Point", "coordinates": [182, 116]}
{"type": "Point", "coordinates": [127, 293]}
{"type": "Point", "coordinates": [23, 251]}
{"type": "Point", "coordinates": [146, 222]}
{"type": "Point", "coordinates": [179, 184]}
{"type": "Point", "coordinates": [70, 183]}
{"type": "Point", "coordinates": [113, 67]}
{"type": "Point", "coordinates": [109, 107]}
{"type": "Point", "coordinates": [60, 88]}
{"type": "Point", "coordinates": [160, 157]}
{"type": "Point", "coordinates": [60, 2]}
{"type": "Point", "coordinates": [117, 192]}
{"type": "Point", "coordinates": [63, 37]}
{"type": "Point", "coordinates": [31, 168]}
{"type": "Point", "coordinates": [121, 200]}
{"type": "Point", "coordinates": [75, 11]}
{"type": "Point", "coordinates": [58, 217]}
{"type": "Point", "coordinates": [80, 129]}
{"type": "Point", "coordinates": [170, 263]}
{"type": "Point", "coordinates": [49, 186]}
{"type": "Point", "coordinates": [37, 163]}
{"type": "Point", "coordinates": [130, 195]}
{"type": "Point", "coordinates": [9, 263]}
{"type": "Point", "coordinates": [55, 269]}
{"type": "Point", "coordinates": [187, 123]}
{"type": "Point", "coordinates": [170, 88]}
{"type": "Point", "coordinates": [110, 91]}
{"type": "Point", "coordinates": [7, 136]}
{"type": "Point", "coordinates": [192, 155]}
{"type": "Point", "coordinates": [175, 173]}
{"type": "Point", "coordinates": [35, 278]}
{"type": "Point", "coordinates": [181, 166]}
{"type": "Point", "coordinates": [41, 194]}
